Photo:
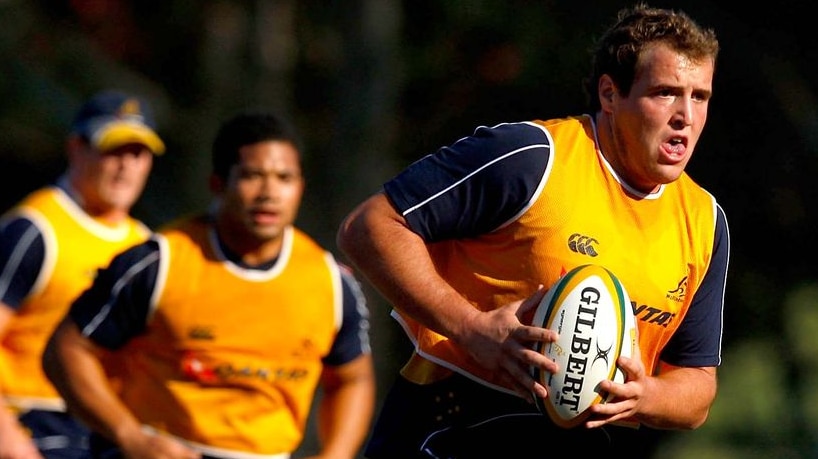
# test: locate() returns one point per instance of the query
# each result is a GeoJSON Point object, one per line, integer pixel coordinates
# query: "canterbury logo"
{"type": "Point", "coordinates": [582, 244]}
{"type": "Point", "coordinates": [201, 333]}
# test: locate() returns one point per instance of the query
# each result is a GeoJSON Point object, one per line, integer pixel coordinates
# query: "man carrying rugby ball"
{"type": "Point", "coordinates": [462, 241]}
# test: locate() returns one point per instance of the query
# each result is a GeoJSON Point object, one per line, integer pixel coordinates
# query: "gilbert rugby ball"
{"type": "Point", "coordinates": [591, 311]}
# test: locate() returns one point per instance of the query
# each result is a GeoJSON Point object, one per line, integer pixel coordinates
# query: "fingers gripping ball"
{"type": "Point", "coordinates": [590, 310]}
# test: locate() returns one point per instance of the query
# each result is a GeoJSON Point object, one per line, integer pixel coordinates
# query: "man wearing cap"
{"type": "Point", "coordinates": [51, 245]}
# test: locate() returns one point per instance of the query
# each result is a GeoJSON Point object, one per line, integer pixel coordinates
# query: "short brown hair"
{"type": "Point", "coordinates": [617, 51]}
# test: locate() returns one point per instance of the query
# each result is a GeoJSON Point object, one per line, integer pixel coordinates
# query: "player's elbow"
{"type": "Point", "coordinates": [697, 420]}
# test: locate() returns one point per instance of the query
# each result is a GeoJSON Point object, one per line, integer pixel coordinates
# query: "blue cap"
{"type": "Point", "coordinates": [111, 119]}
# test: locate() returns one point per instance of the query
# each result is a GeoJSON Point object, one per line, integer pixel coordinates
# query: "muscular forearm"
{"type": "Point", "coordinates": [346, 408]}
{"type": "Point", "coordinates": [15, 442]}
{"type": "Point", "coordinates": [75, 369]}
{"type": "Point", "coordinates": [396, 261]}
{"type": "Point", "coordinates": [680, 398]}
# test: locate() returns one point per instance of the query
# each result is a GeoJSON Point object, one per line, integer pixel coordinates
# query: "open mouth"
{"type": "Point", "coordinates": [676, 147]}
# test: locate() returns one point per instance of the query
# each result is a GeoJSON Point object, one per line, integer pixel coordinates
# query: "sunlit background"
{"type": "Point", "coordinates": [375, 84]}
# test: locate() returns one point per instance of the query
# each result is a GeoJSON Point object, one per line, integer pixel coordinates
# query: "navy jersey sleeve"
{"type": "Point", "coordinates": [116, 306]}
{"type": "Point", "coordinates": [352, 339]}
{"type": "Point", "coordinates": [475, 185]}
{"type": "Point", "coordinates": [22, 253]}
{"type": "Point", "coordinates": [697, 342]}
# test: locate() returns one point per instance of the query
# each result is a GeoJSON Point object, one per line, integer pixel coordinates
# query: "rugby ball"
{"type": "Point", "coordinates": [590, 310]}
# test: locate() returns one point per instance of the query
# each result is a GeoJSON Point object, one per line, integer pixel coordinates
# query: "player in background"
{"type": "Point", "coordinates": [463, 240]}
{"type": "Point", "coordinates": [227, 321]}
{"type": "Point", "coordinates": [51, 245]}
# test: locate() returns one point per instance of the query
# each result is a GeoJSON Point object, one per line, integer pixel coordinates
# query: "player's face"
{"type": "Point", "coordinates": [655, 129]}
{"type": "Point", "coordinates": [262, 194]}
{"type": "Point", "coordinates": [111, 182]}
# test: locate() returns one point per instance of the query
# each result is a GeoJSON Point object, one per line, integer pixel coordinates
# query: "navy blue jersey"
{"type": "Point", "coordinates": [22, 254]}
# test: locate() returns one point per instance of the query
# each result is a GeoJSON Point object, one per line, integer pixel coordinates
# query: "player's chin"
{"type": "Point", "coordinates": [119, 199]}
{"type": "Point", "coordinates": [667, 174]}
{"type": "Point", "coordinates": [265, 233]}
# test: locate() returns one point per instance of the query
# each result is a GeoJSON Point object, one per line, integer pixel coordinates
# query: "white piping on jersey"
{"type": "Point", "coordinates": [719, 210]}
{"type": "Point", "coordinates": [429, 437]}
{"type": "Point", "coordinates": [338, 275]}
{"type": "Point", "coordinates": [50, 248]}
{"type": "Point", "coordinates": [120, 283]}
{"type": "Point", "coordinates": [255, 275]}
{"type": "Point", "coordinates": [407, 329]}
{"type": "Point", "coordinates": [161, 274]}
{"type": "Point", "coordinates": [72, 207]}
{"type": "Point", "coordinates": [455, 184]}
{"type": "Point", "coordinates": [16, 258]}
{"type": "Point", "coordinates": [543, 180]}
{"type": "Point", "coordinates": [337, 290]}
{"type": "Point", "coordinates": [631, 190]}
{"type": "Point", "coordinates": [363, 311]}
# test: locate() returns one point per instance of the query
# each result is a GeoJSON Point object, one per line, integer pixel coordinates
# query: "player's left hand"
{"type": "Point", "coordinates": [626, 397]}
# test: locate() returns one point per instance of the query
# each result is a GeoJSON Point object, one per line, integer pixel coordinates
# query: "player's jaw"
{"type": "Point", "coordinates": [110, 194]}
{"type": "Point", "coordinates": [664, 166]}
{"type": "Point", "coordinates": [118, 198]}
{"type": "Point", "coordinates": [123, 175]}
{"type": "Point", "coordinates": [266, 222]}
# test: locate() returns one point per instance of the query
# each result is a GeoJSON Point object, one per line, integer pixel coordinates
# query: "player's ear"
{"type": "Point", "coordinates": [74, 144]}
{"type": "Point", "coordinates": [216, 184]}
{"type": "Point", "coordinates": [607, 90]}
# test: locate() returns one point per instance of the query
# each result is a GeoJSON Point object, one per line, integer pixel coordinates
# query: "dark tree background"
{"type": "Point", "coordinates": [375, 84]}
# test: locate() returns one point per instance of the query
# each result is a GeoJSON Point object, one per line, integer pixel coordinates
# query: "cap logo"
{"type": "Point", "coordinates": [129, 108]}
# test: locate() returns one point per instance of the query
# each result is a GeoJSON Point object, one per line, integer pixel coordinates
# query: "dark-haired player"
{"type": "Point", "coordinates": [223, 325]}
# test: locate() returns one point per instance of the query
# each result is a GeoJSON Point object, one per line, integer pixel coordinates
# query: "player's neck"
{"type": "Point", "coordinates": [108, 216]}
{"type": "Point", "coordinates": [248, 248]}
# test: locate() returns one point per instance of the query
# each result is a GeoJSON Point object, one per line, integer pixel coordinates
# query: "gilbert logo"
{"type": "Point", "coordinates": [678, 294]}
{"type": "Point", "coordinates": [582, 244]}
{"type": "Point", "coordinates": [569, 394]}
{"type": "Point", "coordinates": [603, 354]}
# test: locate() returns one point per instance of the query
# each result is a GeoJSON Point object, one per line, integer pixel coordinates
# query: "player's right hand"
{"type": "Point", "coordinates": [15, 443]}
{"type": "Point", "coordinates": [157, 446]}
{"type": "Point", "coordinates": [503, 344]}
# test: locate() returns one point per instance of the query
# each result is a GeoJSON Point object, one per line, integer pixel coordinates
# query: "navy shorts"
{"type": "Point", "coordinates": [457, 418]}
{"type": "Point", "coordinates": [56, 434]}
